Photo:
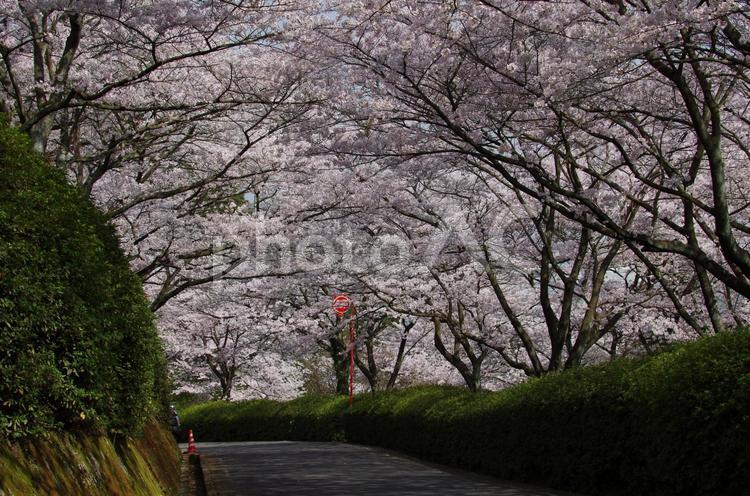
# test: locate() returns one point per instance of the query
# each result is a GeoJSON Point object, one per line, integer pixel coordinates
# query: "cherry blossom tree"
{"type": "Point", "coordinates": [160, 112]}
{"type": "Point", "coordinates": [506, 189]}
{"type": "Point", "coordinates": [562, 103]}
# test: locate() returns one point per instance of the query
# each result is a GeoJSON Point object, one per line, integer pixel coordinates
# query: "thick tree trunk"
{"type": "Point", "coordinates": [340, 364]}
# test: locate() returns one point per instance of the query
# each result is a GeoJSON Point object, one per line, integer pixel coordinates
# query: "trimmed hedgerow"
{"type": "Point", "coordinates": [674, 424]}
{"type": "Point", "coordinates": [78, 343]}
{"type": "Point", "coordinates": [309, 418]}
{"type": "Point", "coordinates": [677, 423]}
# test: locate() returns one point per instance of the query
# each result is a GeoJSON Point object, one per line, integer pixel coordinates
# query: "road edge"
{"type": "Point", "coordinates": [211, 486]}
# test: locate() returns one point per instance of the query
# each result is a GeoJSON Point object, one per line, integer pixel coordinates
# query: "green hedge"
{"type": "Point", "coordinates": [309, 418]}
{"type": "Point", "coordinates": [674, 424]}
{"type": "Point", "coordinates": [77, 340]}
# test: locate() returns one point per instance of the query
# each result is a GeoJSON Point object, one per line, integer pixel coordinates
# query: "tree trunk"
{"type": "Point", "coordinates": [340, 364]}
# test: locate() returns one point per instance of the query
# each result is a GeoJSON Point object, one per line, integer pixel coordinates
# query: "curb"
{"type": "Point", "coordinates": [194, 464]}
{"type": "Point", "coordinates": [209, 485]}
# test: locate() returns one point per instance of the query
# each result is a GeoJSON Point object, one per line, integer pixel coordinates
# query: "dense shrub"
{"type": "Point", "coordinates": [674, 424]}
{"type": "Point", "coordinates": [309, 418]}
{"type": "Point", "coordinates": [77, 339]}
{"type": "Point", "coordinates": [678, 423]}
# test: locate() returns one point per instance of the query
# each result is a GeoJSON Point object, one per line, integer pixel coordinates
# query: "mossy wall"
{"type": "Point", "coordinates": [78, 463]}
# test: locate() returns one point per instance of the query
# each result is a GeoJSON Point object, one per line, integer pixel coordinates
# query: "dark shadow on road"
{"type": "Point", "coordinates": [332, 469]}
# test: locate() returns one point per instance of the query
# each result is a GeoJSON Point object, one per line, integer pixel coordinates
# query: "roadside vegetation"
{"type": "Point", "coordinates": [83, 382]}
{"type": "Point", "coordinates": [78, 344]}
{"type": "Point", "coordinates": [672, 424]}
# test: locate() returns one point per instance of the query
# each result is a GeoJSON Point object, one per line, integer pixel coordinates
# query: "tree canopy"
{"type": "Point", "coordinates": [532, 186]}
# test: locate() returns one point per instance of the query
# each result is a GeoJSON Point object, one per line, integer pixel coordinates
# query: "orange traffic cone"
{"type": "Point", "coordinates": [191, 443]}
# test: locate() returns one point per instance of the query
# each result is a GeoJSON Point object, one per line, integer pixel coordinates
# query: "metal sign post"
{"type": "Point", "coordinates": [342, 304]}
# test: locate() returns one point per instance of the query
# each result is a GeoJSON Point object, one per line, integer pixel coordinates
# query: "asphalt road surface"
{"type": "Point", "coordinates": [332, 469]}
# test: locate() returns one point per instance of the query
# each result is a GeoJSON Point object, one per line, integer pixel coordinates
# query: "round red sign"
{"type": "Point", "coordinates": [341, 304]}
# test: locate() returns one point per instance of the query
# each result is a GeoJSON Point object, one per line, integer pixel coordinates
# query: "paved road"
{"type": "Point", "coordinates": [333, 469]}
